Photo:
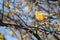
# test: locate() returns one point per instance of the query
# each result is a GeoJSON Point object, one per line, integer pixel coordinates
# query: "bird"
{"type": "Point", "coordinates": [41, 15]}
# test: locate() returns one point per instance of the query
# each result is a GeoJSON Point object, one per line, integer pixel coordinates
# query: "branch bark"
{"type": "Point", "coordinates": [20, 26]}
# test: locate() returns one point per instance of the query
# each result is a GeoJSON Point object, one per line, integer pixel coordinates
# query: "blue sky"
{"type": "Point", "coordinates": [7, 34]}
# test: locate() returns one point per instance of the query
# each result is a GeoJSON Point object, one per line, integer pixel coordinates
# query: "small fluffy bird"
{"type": "Point", "coordinates": [41, 15]}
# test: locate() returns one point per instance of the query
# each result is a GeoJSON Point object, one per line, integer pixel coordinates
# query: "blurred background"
{"type": "Point", "coordinates": [29, 19]}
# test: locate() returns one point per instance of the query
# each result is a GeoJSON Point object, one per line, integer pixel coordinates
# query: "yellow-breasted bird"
{"type": "Point", "coordinates": [41, 15]}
